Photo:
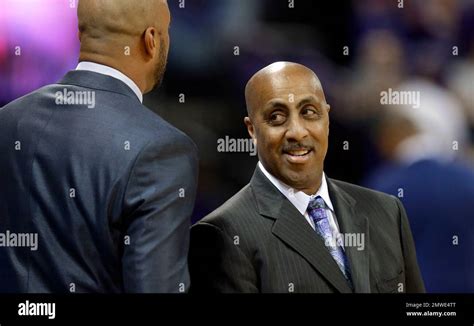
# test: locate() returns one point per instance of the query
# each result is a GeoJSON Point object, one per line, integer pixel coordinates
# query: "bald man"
{"type": "Point", "coordinates": [99, 188]}
{"type": "Point", "coordinates": [293, 229]}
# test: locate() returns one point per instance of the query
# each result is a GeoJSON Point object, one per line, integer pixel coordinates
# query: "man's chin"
{"type": "Point", "coordinates": [301, 181]}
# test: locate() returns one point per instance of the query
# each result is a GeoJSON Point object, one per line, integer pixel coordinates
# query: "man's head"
{"type": "Point", "coordinates": [130, 36]}
{"type": "Point", "coordinates": [289, 121]}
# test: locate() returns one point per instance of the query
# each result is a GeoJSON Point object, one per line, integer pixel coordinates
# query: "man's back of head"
{"type": "Point", "coordinates": [130, 36]}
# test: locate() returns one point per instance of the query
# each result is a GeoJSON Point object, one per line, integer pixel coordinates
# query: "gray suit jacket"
{"type": "Point", "coordinates": [259, 242]}
{"type": "Point", "coordinates": [109, 191]}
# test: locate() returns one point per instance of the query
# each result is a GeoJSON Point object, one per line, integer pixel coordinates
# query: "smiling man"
{"type": "Point", "coordinates": [292, 229]}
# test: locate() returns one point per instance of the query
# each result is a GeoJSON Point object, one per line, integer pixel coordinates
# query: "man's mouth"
{"type": "Point", "coordinates": [298, 156]}
{"type": "Point", "coordinates": [299, 152]}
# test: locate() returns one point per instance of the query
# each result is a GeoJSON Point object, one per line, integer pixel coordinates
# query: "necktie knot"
{"type": "Point", "coordinates": [316, 208]}
{"type": "Point", "coordinates": [317, 202]}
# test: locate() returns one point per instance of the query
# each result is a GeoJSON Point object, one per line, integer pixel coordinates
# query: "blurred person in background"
{"type": "Point", "coordinates": [423, 147]}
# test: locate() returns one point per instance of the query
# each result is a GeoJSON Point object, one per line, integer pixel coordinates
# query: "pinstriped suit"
{"type": "Point", "coordinates": [259, 242]}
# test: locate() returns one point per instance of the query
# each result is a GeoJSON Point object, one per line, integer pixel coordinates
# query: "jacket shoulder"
{"type": "Point", "coordinates": [383, 209]}
{"type": "Point", "coordinates": [23, 100]}
{"type": "Point", "coordinates": [363, 194]}
{"type": "Point", "coordinates": [238, 209]}
{"type": "Point", "coordinates": [162, 132]}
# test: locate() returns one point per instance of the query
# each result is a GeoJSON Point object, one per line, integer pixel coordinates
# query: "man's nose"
{"type": "Point", "coordinates": [296, 130]}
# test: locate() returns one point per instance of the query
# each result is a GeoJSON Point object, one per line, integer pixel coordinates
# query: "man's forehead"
{"type": "Point", "coordinates": [290, 88]}
{"type": "Point", "coordinates": [285, 80]}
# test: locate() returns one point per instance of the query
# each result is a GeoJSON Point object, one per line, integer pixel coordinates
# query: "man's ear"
{"type": "Point", "coordinates": [250, 129]}
{"type": "Point", "coordinates": [151, 46]}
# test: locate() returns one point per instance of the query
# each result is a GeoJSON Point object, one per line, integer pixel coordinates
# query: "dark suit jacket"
{"type": "Point", "coordinates": [259, 242]}
{"type": "Point", "coordinates": [102, 187]}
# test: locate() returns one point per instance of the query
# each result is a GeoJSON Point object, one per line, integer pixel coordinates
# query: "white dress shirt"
{"type": "Point", "coordinates": [301, 200]}
{"type": "Point", "coordinates": [109, 71]}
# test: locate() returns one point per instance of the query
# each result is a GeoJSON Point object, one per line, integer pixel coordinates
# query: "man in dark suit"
{"type": "Point", "coordinates": [105, 185]}
{"type": "Point", "coordinates": [292, 229]}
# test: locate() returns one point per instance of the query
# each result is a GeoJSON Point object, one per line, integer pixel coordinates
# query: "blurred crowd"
{"type": "Point", "coordinates": [359, 49]}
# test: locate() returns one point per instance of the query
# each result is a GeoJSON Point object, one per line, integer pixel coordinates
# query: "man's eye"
{"type": "Point", "coordinates": [277, 118]}
{"type": "Point", "coordinates": [310, 112]}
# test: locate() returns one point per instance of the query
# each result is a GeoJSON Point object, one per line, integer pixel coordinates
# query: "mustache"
{"type": "Point", "coordinates": [297, 146]}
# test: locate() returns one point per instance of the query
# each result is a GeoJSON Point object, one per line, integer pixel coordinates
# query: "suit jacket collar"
{"type": "Point", "coordinates": [292, 228]}
{"type": "Point", "coordinates": [298, 198]}
{"type": "Point", "coordinates": [93, 80]}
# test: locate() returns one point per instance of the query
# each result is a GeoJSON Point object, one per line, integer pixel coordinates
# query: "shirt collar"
{"type": "Point", "coordinates": [109, 71]}
{"type": "Point", "coordinates": [298, 198]}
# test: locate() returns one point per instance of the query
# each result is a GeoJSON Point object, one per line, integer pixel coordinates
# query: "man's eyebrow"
{"type": "Point", "coordinates": [275, 103]}
{"type": "Point", "coordinates": [309, 99]}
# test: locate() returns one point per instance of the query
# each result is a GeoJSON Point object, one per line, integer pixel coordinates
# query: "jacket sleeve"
{"type": "Point", "coordinates": [413, 280]}
{"type": "Point", "coordinates": [217, 264]}
{"type": "Point", "coordinates": [159, 201]}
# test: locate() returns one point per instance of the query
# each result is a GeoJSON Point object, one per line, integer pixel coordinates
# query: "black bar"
{"type": "Point", "coordinates": [371, 307]}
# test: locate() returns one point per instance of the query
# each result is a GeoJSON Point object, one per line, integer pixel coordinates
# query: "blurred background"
{"type": "Point", "coordinates": [423, 155]}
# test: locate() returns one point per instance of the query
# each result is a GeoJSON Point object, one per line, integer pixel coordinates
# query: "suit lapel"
{"type": "Point", "coordinates": [292, 228]}
{"type": "Point", "coordinates": [350, 222]}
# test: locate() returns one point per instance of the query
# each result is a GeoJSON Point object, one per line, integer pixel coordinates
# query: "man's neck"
{"type": "Point", "coordinates": [115, 64]}
{"type": "Point", "coordinates": [112, 72]}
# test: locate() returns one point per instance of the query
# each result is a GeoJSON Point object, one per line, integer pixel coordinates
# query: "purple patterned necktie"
{"type": "Point", "coordinates": [317, 211]}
